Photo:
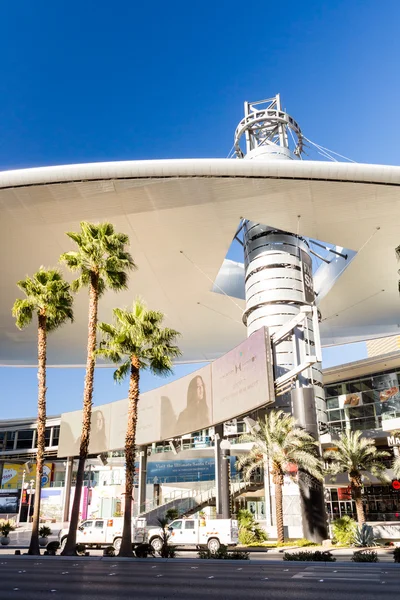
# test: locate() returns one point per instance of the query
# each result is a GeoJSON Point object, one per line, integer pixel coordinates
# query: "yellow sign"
{"type": "Point", "coordinates": [12, 475]}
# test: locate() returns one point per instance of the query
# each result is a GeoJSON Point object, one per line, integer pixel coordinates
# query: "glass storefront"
{"type": "Point", "coordinates": [381, 503]}
{"type": "Point", "coordinates": [364, 402]}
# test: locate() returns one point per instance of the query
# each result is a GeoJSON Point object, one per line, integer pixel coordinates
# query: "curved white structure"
{"type": "Point", "coordinates": [181, 216]}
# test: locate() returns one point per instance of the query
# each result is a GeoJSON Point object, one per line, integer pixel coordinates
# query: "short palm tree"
{"type": "Point", "coordinates": [138, 341]}
{"type": "Point", "coordinates": [102, 262]}
{"type": "Point", "coordinates": [278, 444]}
{"type": "Point", "coordinates": [355, 456]}
{"type": "Point", "coordinates": [48, 296]}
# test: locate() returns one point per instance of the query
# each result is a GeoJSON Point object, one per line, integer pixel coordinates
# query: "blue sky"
{"type": "Point", "coordinates": [92, 81]}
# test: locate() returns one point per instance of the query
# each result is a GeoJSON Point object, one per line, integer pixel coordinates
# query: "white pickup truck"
{"type": "Point", "coordinates": [197, 533]}
{"type": "Point", "coordinates": [105, 532]}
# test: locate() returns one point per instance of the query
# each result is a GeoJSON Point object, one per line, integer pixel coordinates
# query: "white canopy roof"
{"type": "Point", "coordinates": [181, 216]}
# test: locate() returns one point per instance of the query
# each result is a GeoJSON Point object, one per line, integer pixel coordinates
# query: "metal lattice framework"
{"type": "Point", "coordinates": [266, 126]}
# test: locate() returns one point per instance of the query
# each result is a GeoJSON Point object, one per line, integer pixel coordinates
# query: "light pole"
{"type": "Point", "coordinates": [20, 500]}
{"type": "Point", "coordinates": [225, 480]}
{"type": "Point", "coordinates": [31, 483]}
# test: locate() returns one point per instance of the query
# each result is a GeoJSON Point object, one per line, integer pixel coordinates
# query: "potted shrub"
{"type": "Point", "coordinates": [5, 528]}
{"type": "Point", "coordinates": [44, 533]}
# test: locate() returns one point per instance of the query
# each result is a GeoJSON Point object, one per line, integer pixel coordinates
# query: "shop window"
{"type": "Point", "coordinates": [10, 440]}
{"type": "Point", "coordinates": [332, 403]}
{"type": "Point", "coordinates": [25, 439]}
{"type": "Point", "coordinates": [47, 435]}
{"type": "Point", "coordinates": [333, 390]}
{"type": "Point", "coordinates": [56, 435]}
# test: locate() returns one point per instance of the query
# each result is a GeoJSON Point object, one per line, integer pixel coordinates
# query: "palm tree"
{"type": "Point", "coordinates": [48, 296]}
{"type": "Point", "coordinates": [138, 341]}
{"type": "Point", "coordinates": [102, 262]}
{"type": "Point", "coordinates": [278, 444]}
{"type": "Point", "coordinates": [355, 455]}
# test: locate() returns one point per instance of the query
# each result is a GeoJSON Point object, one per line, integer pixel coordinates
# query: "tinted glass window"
{"type": "Point", "coordinates": [99, 524]}
{"type": "Point", "coordinates": [189, 524]}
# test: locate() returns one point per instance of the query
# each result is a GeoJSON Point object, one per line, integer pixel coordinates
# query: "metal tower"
{"type": "Point", "coordinates": [280, 295]}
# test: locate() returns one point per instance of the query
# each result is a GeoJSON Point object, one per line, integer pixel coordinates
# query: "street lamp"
{"type": "Point", "coordinates": [225, 479]}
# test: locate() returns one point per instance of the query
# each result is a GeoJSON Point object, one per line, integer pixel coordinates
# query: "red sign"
{"type": "Point", "coordinates": [396, 485]}
{"type": "Point", "coordinates": [344, 493]}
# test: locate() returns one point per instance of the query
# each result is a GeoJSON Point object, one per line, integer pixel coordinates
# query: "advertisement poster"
{"type": "Point", "coordinates": [12, 475]}
{"type": "Point", "coordinates": [387, 392]}
{"type": "Point", "coordinates": [350, 400]}
{"type": "Point", "coordinates": [8, 502]}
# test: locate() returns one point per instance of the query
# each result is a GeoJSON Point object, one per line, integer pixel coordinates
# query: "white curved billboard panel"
{"type": "Point", "coordinates": [236, 383]}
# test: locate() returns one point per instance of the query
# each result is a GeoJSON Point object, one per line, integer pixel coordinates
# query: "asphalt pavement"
{"type": "Point", "coordinates": [97, 579]}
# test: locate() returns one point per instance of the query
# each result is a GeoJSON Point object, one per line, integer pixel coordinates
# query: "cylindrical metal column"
{"type": "Point", "coordinates": [275, 292]}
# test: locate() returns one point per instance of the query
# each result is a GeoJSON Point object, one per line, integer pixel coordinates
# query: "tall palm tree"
{"type": "Point", "coordinates": [102, 262]}
{"type": "Point", "coordinates": [356, 455]}
{"type": "Point", "coordinates": [278, 444]}
{"type": "Point", "coordinates": [48, 296]}
{"type": "Point", "coordinates": [138, 341]}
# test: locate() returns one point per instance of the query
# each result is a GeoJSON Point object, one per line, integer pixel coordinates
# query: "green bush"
{"type": "Point", "coordinates": [144, 551]}
{"type": "Point", "coordinates": [6, 527]}
{"type": "Point", "coordinates": [365, 556]}
{"type": "Point", "coordinates": [51, 548]}
{"type": "Point", "coordinates": [80, 549]}
{"type": "Point", "coordinates": [45, 531]}
{"type": "Point", "coordinates": [316, 556]}
{"type": "Point", "coordinates": [109, 551]}
{"type": "Point", "coordinates": [223, 554]}
{"type": "Point", "coordinates": [364, 537]}
{"type": "Point", "coordinates": [172, 514]}
{"type": "Point", "coordinates": [396, 555]}
{"type": "Point", "coordinates": [303, 543]}
{"type": "Point", "coordinates": [250, 531]}
{"type": "Point", "coordinates": [344, 530]}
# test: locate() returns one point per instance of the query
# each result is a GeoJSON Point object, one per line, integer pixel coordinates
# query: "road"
{"type": "Point", "coordinates": [78, 579]}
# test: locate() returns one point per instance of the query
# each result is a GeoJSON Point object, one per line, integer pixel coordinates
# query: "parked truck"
{"type": "Point", "coordinates": [99, 533]}
{"type": "Point", "coordinates": [199, 533]}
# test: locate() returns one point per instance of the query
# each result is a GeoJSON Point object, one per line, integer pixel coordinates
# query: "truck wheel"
{"type": "Point", "coordinates": [63, 542]}
{"type": "Point", "coordinates": [213, 545]}
{"type": "Point", "coordinates": [117, 544]}
{"type": "Point", "coordinates": [156, 544]}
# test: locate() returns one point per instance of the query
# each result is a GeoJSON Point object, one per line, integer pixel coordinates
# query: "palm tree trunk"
{"type": "Point", "coordinates": [41, 432]}
{"type": "Point", "coordinates": [130, 444]}
{"type": "Point", "coordinates": [356, 486]}
{"type": "Point", "coordinates": [70, 546]}
{"type": "Point", "coordinates": [279, 509]}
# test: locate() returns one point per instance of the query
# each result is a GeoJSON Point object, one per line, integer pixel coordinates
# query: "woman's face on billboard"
{"type": "Point", "coordinates": [200, 388]}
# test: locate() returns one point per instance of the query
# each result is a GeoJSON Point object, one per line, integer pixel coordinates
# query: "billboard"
{"type": "Point", "coordinates": [234, 384]}
{"type": "Point", "coordinates": [240, 379]}
{"type": "Point", "coordinates": [12, 475]}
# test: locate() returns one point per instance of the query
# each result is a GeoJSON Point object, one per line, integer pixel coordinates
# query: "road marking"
{"type": "Point", "coordinates": [111, 574]}
{"type": "Point", "coordinates": [240, 569]}
{"type": "Point", "coordinates": [155, 567]}
{"type": "Point", "coordinates": [321, 579]}
{"type": "Point", "coordinates": [64, 573]}
{"type": "Point", "coordinates": [158, 575]}
{"type": "Point", "coordinates": [329, 575]}
{"type": "Point", "coordinates": [53, 590]}
{"type": "Point", "coordinates": [264, 579]}
{"type": "Point", "coordinates": [16, 589]}
{"type": "Point", "coordinates": [211, 577]}
{"type": "Point", "coordinates": [194, 567]}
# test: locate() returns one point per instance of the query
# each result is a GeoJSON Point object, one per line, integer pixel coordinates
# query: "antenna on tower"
{"type": "Point", "coordinates": [265, 128]}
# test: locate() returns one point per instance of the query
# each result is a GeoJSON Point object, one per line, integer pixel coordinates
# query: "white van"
{"type": "Point", "coordinates": [197, 533]}
{"type": "Point", "coordinates": [105, 532]}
